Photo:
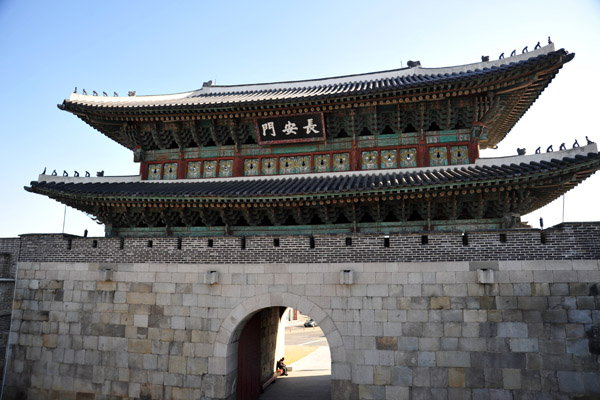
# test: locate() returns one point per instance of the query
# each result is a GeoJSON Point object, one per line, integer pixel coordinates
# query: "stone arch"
{"type": "Point", "coordinates": [224, 359]}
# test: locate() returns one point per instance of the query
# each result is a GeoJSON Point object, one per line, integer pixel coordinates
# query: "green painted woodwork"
{"type": "Point", "coordinates": [154, 172]}
{"type": "Point", "coordinates": [193, 169]}
{"type": "Point", "coordinates": [251, 167]}
{"type": "Point", "coordinates": [225, 168]}
{"type": "Point", "coordinates": [170, 171]}
{"type": "Point", "coordinates": [294, 165]}
{"type": "Point", "coordinates": [369, 159]}
{"type": "Point", "coordinates": [438, 156]}
{"type": "Point", "coordinates": [389, 159]}
{"type": "Point", "coordinates": [408, 157]}
{"type": "Point", "coordinates": [322, 163]}
{"type": "Point", "coordinates": [248, 150]}
{"type": "Point", "coordinates": [459, 155]}
{"type": "Point", "coordinates": [209, 169]}
{"type": "Point", "coordinates": [341, 162]}
{"type": "Point", "coordinates": [269, 166]}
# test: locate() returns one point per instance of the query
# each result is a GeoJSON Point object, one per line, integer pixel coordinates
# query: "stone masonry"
{"type": "Point", "coordinates": [411, 317]}
{"type": "Point", "coordinates": [9, 253]}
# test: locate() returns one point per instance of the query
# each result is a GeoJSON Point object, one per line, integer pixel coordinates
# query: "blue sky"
{"type": "Point", "coordinates": [48, 48]}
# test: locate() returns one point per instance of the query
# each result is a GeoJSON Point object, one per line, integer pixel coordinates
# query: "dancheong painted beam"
{"type": "Point", "coordinates": [391, 151]}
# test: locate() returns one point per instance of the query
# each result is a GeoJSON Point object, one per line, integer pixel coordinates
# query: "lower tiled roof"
{"type": "Point", "coordinates": [321, 185]}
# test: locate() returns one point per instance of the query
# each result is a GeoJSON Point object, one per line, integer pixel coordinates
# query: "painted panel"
{"type": "Point", "coordinates": [464, 137]}
{"type": "Point", "coordinates": [294, 165]}
{"type": "Point", "coordinates": [193, 170]}
{"type": "Point", "coordinates": [459, 155]}
{"type": "Point", "coordinates": [369, 160]}
{"type": "Point", "coordinates": [268, 166]}
{"type": "Point", "coordinates": [251, 167]}
{"type": "Point", "coordinates": [210, 169]}
{"type": "Point", "coordinates": [408, 158]}
{"type": "Point", "coordinates": [286, 165]}
{"type": "Point", "coordinates": [322, 163]}
{"type": "Point", "coordinates": [225, 168]}
{"type": "Point", "coordinates": [438, 156]}
{"type": "Point", "coordinates": [154, 172]}
{"type": "Point", "coordinates": [341, 162]}
{"type": "Point", "coordinates": [170, 171]}
{"type": "Point", "coordinates": [389, 159]}
{"type": "Point", "coordinates": [303, 164]}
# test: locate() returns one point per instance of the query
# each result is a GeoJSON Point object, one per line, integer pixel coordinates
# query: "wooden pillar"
{"type": "Point", "coordinates": [238, 165]}
{"type": "Point", "coordinates": [144, 170]}
{"type": "Point", "coordinates": [181, 166]}
{"type": "Point", "coordinates": [422, 155]}
{"type": "Point", "coordinates": [473, 151]}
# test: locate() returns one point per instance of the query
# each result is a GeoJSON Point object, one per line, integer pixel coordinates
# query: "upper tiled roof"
{"type": "Point", "coordinates": [507, 168]}
{"type": "Point", "coordinates": [321, 88]}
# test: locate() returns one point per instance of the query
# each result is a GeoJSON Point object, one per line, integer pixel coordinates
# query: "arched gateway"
{"type": "Point", "coordinates": [224, 361]}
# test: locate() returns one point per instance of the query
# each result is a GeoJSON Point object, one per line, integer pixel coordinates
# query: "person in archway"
{"type": "Point", "coordinates": [281, 365]}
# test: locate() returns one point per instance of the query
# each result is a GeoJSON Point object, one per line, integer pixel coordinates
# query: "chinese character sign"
{"type": "Point", "coordinates": [290, 128]}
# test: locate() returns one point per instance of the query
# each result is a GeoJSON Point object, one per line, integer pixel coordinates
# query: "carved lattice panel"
{"type": "Point", "coordinates": [459, 155]}
{"type": "Point", "coordinates": [389, 159]}
{"type": "Point", "coordinates": [154, 172]}
{"type": "Point", "coordinates": [193, 170]}
{"type": "Point", "coordinates": [170, 171]}
{"type": "Point", "coordinates": [438, 156]}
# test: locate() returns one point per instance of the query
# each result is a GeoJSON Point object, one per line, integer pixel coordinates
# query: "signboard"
{"type": "Point", "coordinates": [290, 128]}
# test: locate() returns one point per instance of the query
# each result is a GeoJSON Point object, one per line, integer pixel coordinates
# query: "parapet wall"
{"type": "Point", "coordinates": [573, 241]}
{"type": "Point", "coordinates": [523, 324]}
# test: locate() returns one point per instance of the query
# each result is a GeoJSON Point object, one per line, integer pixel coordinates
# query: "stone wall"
{"type": "Point", "coordinates": [270, 323]}
{"type": "Point", "coordinates": [9, 253]}
{"type": "Point", "coordinates": [168, 327]}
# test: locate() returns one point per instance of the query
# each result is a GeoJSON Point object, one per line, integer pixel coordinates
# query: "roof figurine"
{"type": "Point", "coordinates": [394, 150]}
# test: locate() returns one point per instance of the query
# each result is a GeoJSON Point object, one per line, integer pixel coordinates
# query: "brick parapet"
{"type": "Point", "coordinates": [571, 241]}
{"type": "Point", "coordinates": [9, 254]}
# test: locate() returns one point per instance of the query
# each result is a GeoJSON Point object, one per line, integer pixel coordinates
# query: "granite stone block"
{"type": "Point", "coordinates": [421, 377]}
{"type": "Point", "coordinates": [571, 382]}
{"type": "Point", "coordinates": [453, 359]}
{"type": "Point", "coordinates": [580, 316]}
{"type": "Point", "coordinates": [456, 377]}
{"type": "Point", "coordinates": [524, 345]}
{"type": "Point", "coordinates": [512, 329]}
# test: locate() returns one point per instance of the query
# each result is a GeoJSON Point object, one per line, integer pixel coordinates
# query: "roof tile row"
{"type": "Point", "coordinates": [315, 184]}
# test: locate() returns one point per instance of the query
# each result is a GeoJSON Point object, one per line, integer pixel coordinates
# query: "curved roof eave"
{"type": "Point", "coordinates": [314, 88]}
